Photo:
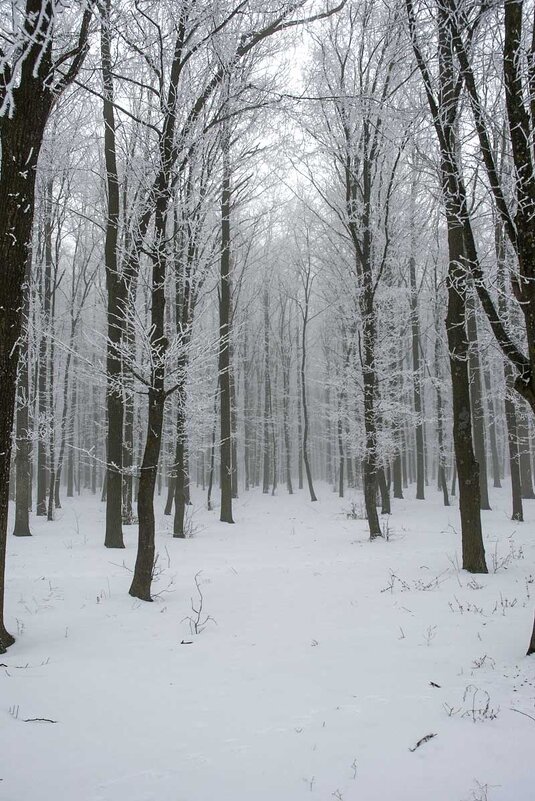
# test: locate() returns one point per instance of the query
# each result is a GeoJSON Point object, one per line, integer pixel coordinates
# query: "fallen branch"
{"type": "Point", "coordinates": [422, 741]}
{"type": "Point", "coordinates": [522, 713]}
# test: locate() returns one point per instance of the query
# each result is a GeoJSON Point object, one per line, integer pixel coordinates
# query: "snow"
{"type": "Point", "coordinates": [314, 681]}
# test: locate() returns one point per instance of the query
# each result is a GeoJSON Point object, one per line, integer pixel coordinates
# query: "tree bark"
{"type": "Point", "coordinates": [417, 378]}
{"type": "Point", "coordinates": [224, 343]}
{"type": "Point", "coordinates": [476, 399]}
{"type": "Point", "coordinates": [304, 404]}
{"type": "Point", "coordinates": [114, 392]}
{"type": "Point", "coordinates": [467, 467]}
{"type": "Point", "coordinates": [22, 439]}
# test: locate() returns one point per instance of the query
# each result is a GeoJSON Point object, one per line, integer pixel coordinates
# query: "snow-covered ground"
{"type": "Point", "coordinates": [329, 659]}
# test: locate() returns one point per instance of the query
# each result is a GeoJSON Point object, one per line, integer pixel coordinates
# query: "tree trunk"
{"type": "Point", "coordinates": [526, 475]}
{"type": "Point", "coordinates": [508, 374]}
{"type": "Point", "coordinates": [22, 439]}
{"type": "Point", "coordinates": [180, 468]}
{"type": "Point", "coordinates": [114, 392]}
{"type": "Point", "coordinates": [224, 344]}
{"type": "Point", "coordinates": [476, 399]}
{"type": "Point", "coordinates": [467, 467]}
{"type": "Point", "coordinates": [417, 379]}
{"type": "Point", "coordinates": [143, 571]}
{"type": "Point", "coordinates": [304, 404]}
{"type": "Point", "coordinates": [21, 141]}
{"type": "Point", "coordinates": [299, 420]}
{"type": "Point", "coordinates": [491, 407]}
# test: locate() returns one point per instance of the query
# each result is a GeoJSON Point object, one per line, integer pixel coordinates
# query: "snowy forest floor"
{"type": "Point", "coordinates": [316, 679]}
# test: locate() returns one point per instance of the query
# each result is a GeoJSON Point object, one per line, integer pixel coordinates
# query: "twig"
{"type": "Point", "coordinates": [422, 741]}
{"type": "Point", "coordinates": [521, 713]}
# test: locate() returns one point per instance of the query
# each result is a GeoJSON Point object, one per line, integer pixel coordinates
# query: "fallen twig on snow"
{"type": "Point", "coordinates": [422, 741]}
{"type": "Point", "coordinates": [521, 713]}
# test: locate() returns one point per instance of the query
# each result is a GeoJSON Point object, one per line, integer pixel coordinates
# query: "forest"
{"type": "Point", "coordinates": [267, 397]}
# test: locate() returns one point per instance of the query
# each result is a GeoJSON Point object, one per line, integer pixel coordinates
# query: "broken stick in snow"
{"type": "Point", "coordinates": [422, 741]}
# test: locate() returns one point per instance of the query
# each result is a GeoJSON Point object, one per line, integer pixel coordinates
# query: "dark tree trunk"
{"type": "Point", "coordinates": [476, 399]}
{"type": "Point", "coordinates": [114, 392]}
{"type": "Point", "coordinates": [467, 467]}
{"type": "Point", "coordinates": [508, 374]}
{"type": "Point", "coordinates": [171, 485]}
{"type": "Point", "coordinates": [445, 110]}
{"type": "Point", "coordinates": [384, 492]}
{"type": "Point", "coordinates": [21, 136]}
{"type": "Point", "coordinates": [397, 476]}
{"type": "Point", "coordinates": [143, 571]}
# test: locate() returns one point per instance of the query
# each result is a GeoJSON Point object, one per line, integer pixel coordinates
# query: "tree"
{"type": "Point", "coordinates": [32, 78]}
{"type": "Point", "coordinates": [444, 111]}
